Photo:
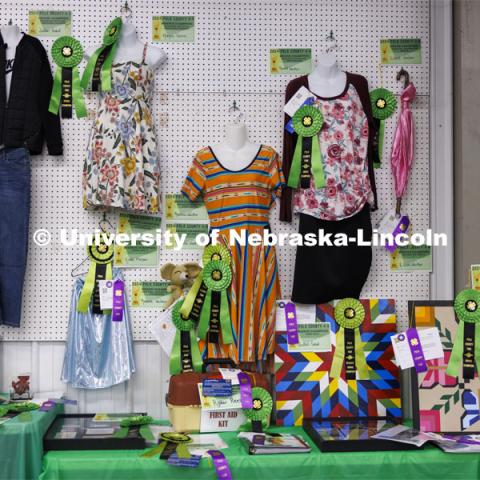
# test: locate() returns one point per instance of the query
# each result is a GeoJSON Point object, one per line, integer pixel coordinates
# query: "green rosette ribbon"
{"type": "Point", "coordinates": [466, 347]}
{"type": "Point", "coordinates": [384, 104]}
{"type": "Point", "coordinates": [138, 421]}
{"type": "Point", "coordinates": [185, 355]}
{"type": "Point", "coordinates": [101, 258]}
{"type": "Point", "coordinates": [261, 410]}
{"type": "Point", "coordinates": [67, 53]}
{"type": "Point", "coordinates": [170, 442]}
{"type": "Point", "coordinates": [99, 66]}
{"type": "Point", "coordinates": [307, 159]}
{"type": "Point", "coordinates": [21, 407]}
{"type": "Point", "coordinates": [216, 253]}
{"type": "Point", "coordinates": [215, 314]}
{"type": "Point", "coordinates": [349, 315]}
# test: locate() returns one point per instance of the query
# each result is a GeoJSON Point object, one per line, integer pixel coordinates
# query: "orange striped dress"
{"type": "Point", "coordinates": [241, 201]}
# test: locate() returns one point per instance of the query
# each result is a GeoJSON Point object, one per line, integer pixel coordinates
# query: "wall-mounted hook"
{"type": "Point", "coordinates": [406, 77]}
{"type": "Point", "coordinates": [234, 107]}
{"type": "Point", "coordinates": [333, 42]}
{"type": "Point", "coordinates": [10, 22]}
{"type": "Point", "coordinates": [126, 11]}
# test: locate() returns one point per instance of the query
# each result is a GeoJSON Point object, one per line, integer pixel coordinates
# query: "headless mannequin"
{"type": "Point", "coordinates": [11, 36]}
{"type": "Point", "coordinates": [327, 80]}
{"type": "Point", "coordinates": [130, 48]}
{"type": "Point", "coordinates": [236, 152]}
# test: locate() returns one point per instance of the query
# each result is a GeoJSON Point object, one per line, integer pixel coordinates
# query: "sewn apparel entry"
{"type": "Point", "coordinates": [121, 166]}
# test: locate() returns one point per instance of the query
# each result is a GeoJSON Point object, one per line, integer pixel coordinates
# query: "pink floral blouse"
{"type": "Point", "coordinates": [343, 143]}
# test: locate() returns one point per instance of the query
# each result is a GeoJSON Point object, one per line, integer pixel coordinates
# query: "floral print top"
{"type": "Point", "coordinates": [343, 143]}
{"type": "Point", "coordinates": [121, 166]}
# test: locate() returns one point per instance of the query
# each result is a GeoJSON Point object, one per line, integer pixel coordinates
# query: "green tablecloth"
{"type": "Point", "coordinates": [21, 444]}
{"type": "Point", "coordinates": [127, 464]}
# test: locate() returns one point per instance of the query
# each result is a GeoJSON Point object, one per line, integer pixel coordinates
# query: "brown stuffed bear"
{"type": "Point", "coordinates": [180, 276]}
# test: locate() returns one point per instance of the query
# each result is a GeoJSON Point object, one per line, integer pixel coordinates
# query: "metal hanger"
{"type": "Point", "coordinates": [104, 222]}
{"type": "Point", "coordinates": [235, 110]}
{"type": "Point", "coordinates": [402, 73]}
{"type": "Point", "coordinates": [333, 42]}
{"type": "Point", "coordinates": [126, 12]}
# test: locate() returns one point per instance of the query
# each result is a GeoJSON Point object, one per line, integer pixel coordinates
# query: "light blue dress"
{"type": "Point", "coordinates": [98, 352]}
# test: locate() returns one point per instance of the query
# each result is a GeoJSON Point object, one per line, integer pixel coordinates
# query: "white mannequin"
{"type": "Point", "coordinates": [130, 48]}
{"type": "Point", "coordinates": [236, 152]}
{"type": "Point", "coordinates": [327, 80]}
{"type": "Point", "coordinates": [11, 36]}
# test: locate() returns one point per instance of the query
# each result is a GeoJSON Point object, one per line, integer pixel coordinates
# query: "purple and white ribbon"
{"type": "Point", "coordinates": [291, 320]}
{"type": "Point", "coordinates": [221, 465]}
{"type": "Point", "coordinates": [118, 295]}
{"type": "Point", "coordinates": [245, 390]}
{"type": "Point", "coordinates": [416, 350]}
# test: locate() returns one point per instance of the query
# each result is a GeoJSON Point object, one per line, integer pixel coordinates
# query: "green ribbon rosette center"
{"type": "Point", "coordinates": [67, 53]}
{"type": "Point", "coordinates": [383, 104]}
{"type": "Point", "coordinates": [185, 355]}
{"type": "Point", "coordinates": [170, 442]}
{"type": "Point", "coordinates": [307, 159]}
{"type": "Point", "coordinates": [139, 422]}
{"type": "Point", "coordinates": [262, 405]}
{"type": "Point", "coordinates": [349, 314]}
{"type": "Point", "coordinates": [101, 258]}
{"type": "Point", "coordinates": [466, 347]}
{"type": "Point", "coordinates": [99, 66]}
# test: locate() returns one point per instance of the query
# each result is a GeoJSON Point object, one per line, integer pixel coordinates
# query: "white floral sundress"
{"type": "Point", "coordinates": [121, 166]}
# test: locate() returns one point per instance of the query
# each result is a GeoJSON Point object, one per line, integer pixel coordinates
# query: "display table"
{"type": "Point", "coordinates": [127, 464]}
{"type": "Point", "coordinates": [21, 444]}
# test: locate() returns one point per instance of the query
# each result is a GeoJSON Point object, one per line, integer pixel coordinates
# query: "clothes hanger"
{"type": "Point", "coordinates": [333, 46]}
{"type": "Point", "coordinates": [402, 73]}
{"type": "Point", "coordinates": [237, 112]}
{"type": "Point", "coordinates": [126, 13]}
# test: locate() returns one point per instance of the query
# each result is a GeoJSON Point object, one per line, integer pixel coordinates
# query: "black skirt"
{"type": "Point", "coordinates": [324, 273]}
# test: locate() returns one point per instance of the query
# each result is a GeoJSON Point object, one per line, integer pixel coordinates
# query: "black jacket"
{"type": "Point", "coordinates": [25, 119]}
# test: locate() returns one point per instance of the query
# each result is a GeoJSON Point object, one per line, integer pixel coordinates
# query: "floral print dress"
{"type": "Point", "coordinates": [121, 166]}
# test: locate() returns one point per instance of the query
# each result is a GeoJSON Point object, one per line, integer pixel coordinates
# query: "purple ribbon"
{"type": "Point", "coordinates": [416, 350]}
{"type": "Point", "coordinates": [291, 319]}
{"type": "Point", "coordinates": [47, 406]}
{"type": "Point", "coordinates": [401, 227]}
{"type": "Point", "coordinates": [64, 401]}
{"type": "Point", "coordinates": [221, 465]}
{"type": "Point", "coordinates": [117, 311]}
{"type": "Point", "coordinates": [245, 390]}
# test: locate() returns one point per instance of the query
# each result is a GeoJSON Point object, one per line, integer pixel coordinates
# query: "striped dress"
{"type": "Point", "coordinates": [241, 201]}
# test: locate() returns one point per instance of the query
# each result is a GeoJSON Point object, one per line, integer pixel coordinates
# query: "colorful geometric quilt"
{"type": "Point", "coordinates": [304, 389]}
{"type": "Point", "coordinates": [442, 403]}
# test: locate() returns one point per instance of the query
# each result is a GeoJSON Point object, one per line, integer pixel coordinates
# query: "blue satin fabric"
{"type": "Point", "coordinates": [98, 352]}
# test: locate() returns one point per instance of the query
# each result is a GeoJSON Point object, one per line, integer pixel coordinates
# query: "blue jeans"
{"type": "Point", "coordinates": [14, 219]}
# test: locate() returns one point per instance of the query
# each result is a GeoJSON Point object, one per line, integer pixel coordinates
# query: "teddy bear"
{"type": "Point", "coordinates": [181, 276]}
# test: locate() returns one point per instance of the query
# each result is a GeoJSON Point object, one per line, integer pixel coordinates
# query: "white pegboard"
{"type": "Point", "coordinates": [229, 61]}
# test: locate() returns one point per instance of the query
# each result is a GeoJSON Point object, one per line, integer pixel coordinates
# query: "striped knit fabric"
{"type": "Point", "coordinates": [241, 201]}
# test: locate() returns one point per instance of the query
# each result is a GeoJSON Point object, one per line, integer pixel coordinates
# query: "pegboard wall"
{"type": "Point", "coordinates": [228, 61]}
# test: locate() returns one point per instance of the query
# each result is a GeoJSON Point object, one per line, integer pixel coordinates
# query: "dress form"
{"type": "Point", "coordinates": [130, 48]}
{"type": "Point", "coordinates": [236, 152]}
{"type": "Point", "coordinates": [11, 35]}
{"type": "Point", "coordinates": [327, 80]}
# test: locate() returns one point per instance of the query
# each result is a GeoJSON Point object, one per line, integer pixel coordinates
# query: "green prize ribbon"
{"type": "Point", "coordinates": [384, 104]}
{"type": "Point", "coordinates": [215, 314]}
{"type": "Point", "coordinates": [67, 53]}
{"type": "Point", "coordinates": [307, 159]}
{"type": "Point", "coordinates": [170, 442]}
{"type": "Point", "coordinates": [185, 355]}
{"type": "Point", "coordinates": [466, 346]}
{"type": "Point", "coordinates": [101, 258]}
{"type": "Point", "coordinates": [21, 407]}
{"type": "Point", "coordinates": [262, 405]}
{"type": "Point", "coordinates": [349, 315]}
{"type": "Point", "coordinates": [139, 422]}
{"type": "Point", "coordinates": [217, 253]}
{"type": "Point", "coordinates": [99, 66]}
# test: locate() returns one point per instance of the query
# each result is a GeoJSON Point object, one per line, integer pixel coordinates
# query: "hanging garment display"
{"type": "Point", "coordinates": [121, 166]}
{"type": "Point", "coordinates": [240, 201]}
{"type": "Point", "coordinates": [445, 397]}
{"type": "Point", "coordinates": [340, 203]}
{"type": "Point", "coordinates": [304, 384]}
{"type": "Point", "coordinates": [67, 53]}
{"type": "Point", "coordinates": [99, 351]}
{"type": "Point", "coordinates": [384, 105]}
{"type": "Point", "coordinates": [99, 66]}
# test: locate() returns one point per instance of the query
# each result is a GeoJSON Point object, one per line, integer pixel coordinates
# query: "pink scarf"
{"type": "Point", "coordinates": [403, 142]}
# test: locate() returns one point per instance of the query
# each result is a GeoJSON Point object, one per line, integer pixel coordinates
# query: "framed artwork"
{"type": "Point", "coordinates": [442, 403]}
{"type": "Point", "coordinates": [305, 388]}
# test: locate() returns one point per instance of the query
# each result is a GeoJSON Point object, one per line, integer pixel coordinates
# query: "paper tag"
{"type": "Point", "coordinates": [305, 314]}
{"type": "Point", "coordinates": [164, 331]}
{"type": "Point", "coordinates": [297, 101]}
{"type": "Point", "coordinates": [192, 462]}
{"type": "Point", "coordinates": [429, 341]}
{"type": "Point", "coordinates": [105, 288]}
{"type": "Point", "coordinates": [216, 387]}
{"type": "Point", "coordinates": [230, 374]}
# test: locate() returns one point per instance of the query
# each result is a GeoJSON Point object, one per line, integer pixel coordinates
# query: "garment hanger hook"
{"type": "Point", "coordinates": [402, 73]}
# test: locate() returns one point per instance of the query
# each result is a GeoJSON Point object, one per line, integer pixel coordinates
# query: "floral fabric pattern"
{"type": "Point", "coordinates": [343, 143]}
{"type": "Point", "coordinates": [121, 166]}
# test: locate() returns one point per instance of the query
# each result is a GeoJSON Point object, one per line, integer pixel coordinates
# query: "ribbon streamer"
{"type": "Point", "coordinates": [99, 66]}
{"type": "Point", "coordinates": [349, 315]}
{"type": "Point", "coordinates": [171, 442]}
{"type": "Point", "coordinates": [221, 465]}
{"type": "Point", "coordinates": [118, 300]}
{"type": "Point", "coordinates": [307, 158]}
{"type": "Point", "coordinates": [67, 53]}
{"type": "Point", "coordinates": [245, 390]}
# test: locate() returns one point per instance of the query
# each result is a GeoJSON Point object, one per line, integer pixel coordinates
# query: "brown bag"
{"type": "Point", "coordinates": [183, 399]}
